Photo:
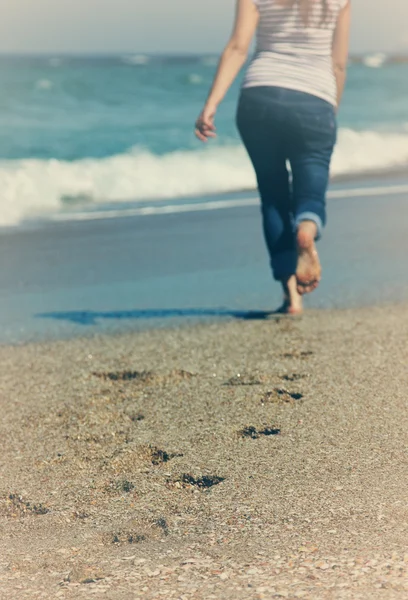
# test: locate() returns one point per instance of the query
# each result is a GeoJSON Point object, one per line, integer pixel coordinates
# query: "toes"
{"type": "Point", "coordinates": [307, 288]}
{"type": "Point", "coordinates": [304, 289]}
{"type": "Point", "coordinates": [305, 280]}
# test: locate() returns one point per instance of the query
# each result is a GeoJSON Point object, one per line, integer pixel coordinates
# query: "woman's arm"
{"type": "Point", "coordinates": [231, 62]}
{"type": "Point", "coordinates": [341, 49]}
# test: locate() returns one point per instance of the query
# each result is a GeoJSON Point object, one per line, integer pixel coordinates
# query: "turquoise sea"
{"type": "Point", "coordinates": [83, 131]}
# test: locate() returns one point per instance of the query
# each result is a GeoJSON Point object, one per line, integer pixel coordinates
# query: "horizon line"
{"type": "Point", "coordinates": [104, 53]}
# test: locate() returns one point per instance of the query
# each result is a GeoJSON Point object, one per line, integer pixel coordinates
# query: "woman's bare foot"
{"type": "Point", "coordinates": [292, 304]}
{"type": "Point", "coordinates": [308, 272]}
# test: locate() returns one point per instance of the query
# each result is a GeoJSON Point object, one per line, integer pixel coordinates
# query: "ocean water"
{"type": "Point", "coordinates": [77, 132]}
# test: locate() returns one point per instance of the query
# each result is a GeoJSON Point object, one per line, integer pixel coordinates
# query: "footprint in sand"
{"type": "Point", "coordinates": [189, 481]}
{"type": "Point", "coordinates": [298, 354]}
{"type": "Point", "coordinates": [280, 396]}
{"type": "Point", "coordinates": [159, 457]}
{"type": "Point", "coordinates": [244, 380]}
{"type": "Point", "coordinates": [254, 434]}
{"type": "Point", "coordinates": [15, 504]}
{"type": "Point", "coordinates": [142, 376]}
{"type": "Point", "coordinates": [294, 377]}
{"type": "Point", "coordinates": [145, 376]}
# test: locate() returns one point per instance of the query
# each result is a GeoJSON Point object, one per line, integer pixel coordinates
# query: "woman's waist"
{"type": "Point", "coordinates": [315, 77]}
{"type": "Point", "coordinates": [289, 67]}
{"type": "Point", "coordinates": [294, 57]}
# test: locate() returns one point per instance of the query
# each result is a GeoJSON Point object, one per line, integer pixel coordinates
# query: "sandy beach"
{"type": "Point", "coordinates": [251, 459]}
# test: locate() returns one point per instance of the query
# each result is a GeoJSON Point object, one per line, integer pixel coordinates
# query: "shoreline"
{"type": "Point", "coordinates": [73, 279]}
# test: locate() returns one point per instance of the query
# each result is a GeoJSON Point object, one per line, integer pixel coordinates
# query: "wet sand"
{"type": "Point", "coordinates": [73, 279]}
{"type": "Point", "coordinates": [253, 459]}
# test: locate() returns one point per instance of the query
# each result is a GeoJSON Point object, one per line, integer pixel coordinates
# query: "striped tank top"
{"type": "Point", "coordinates": [292, 55]}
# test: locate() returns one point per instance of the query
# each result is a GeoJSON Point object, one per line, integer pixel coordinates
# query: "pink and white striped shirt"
{"type": "Point", "coordinates": [293, 55]}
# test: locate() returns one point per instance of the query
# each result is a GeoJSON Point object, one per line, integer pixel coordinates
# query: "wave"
{"type": "Point", "coordinates": [375, 61]}
{"type": "Point", "coordinates": [44, 84]}
{"type": "Point", "coordinates": [195, 79]}
{"type": "Point", "coordinates": [136, 60]}
{"type": "Point", "coordinates": [34, 188]}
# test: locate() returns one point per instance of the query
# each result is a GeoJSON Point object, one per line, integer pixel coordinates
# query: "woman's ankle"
{"type": "Point", "coordinates": [307, 232]}
{"type": "Point", "coordinates": [292, 298]}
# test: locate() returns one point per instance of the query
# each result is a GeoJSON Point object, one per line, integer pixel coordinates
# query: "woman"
{"type": "Point", "coordinates": [287, 116]}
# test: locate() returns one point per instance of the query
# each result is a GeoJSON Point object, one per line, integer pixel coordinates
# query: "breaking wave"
{"type": "Point", "coordinates": [34, 188]}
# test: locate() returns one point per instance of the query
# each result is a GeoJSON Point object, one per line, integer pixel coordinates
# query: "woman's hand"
{"type": "Point", "coordinates": [205, 127]}
{"type": "Point", "coordinates": [232, 59]}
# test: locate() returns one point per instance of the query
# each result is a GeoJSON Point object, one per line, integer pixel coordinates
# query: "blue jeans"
{"type": "Point", "coordinates": [279, 127]}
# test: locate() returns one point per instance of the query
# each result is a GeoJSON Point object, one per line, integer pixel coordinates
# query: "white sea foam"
{"type": "Point", "coordinates": [136, 59]}
{"type": "Point", "coordinates": [44, 84]}
{"type": "Point", "coordinates": [34, 187]}
{"type": "Point", "coordinates": [375, 61]}
{"type": "Point", "coordinates": [195, 79]}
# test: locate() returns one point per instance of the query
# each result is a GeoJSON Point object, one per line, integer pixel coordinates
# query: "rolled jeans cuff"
{"type": "Point", "coordinates": [310, 216]}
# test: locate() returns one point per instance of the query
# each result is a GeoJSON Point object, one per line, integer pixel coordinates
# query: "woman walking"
{"type": "Point", "coordinates": [287, 116]}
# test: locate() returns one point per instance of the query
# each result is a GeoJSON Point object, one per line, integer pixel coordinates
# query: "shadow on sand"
{"type": "Point", "coordinates": [90, 317]}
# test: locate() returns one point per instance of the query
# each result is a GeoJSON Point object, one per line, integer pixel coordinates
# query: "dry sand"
{"type": "Point", "coordinates": [259, 459]}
